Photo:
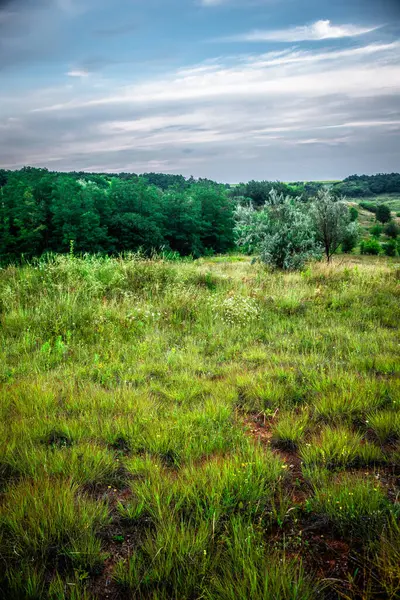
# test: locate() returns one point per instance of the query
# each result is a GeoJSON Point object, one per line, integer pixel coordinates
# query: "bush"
{"type": "Point", "coordinates": [376, 230]}
{"type": "Point", "coordinates": [370, 206]}
{"type": "Point", "coordinates": [282, 232]}
{"type": "Point", "coordinates": [370, 247]}
{"type": "Point", "coordinates": [391, 229]}
{"type": "Point", "coordinates": [350, 237]}
{"type": "Point", "coordinates": [383, 213]}
{"type": "Point", "coordinates": [353, 214]}
{"type": "Point", "coordinates": [390, 248]}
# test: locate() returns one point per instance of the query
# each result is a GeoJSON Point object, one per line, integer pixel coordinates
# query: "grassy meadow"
{"type": "Point", "coordinates": [199, 430]}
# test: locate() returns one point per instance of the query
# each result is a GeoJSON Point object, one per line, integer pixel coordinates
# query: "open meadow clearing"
{"type": "Point", "coordinates": [199, 429]}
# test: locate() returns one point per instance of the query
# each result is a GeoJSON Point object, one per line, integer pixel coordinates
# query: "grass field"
{"type": "Point", "coordinates": [199, 430]}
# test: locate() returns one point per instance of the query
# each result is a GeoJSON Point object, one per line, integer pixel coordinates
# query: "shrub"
{"type": "Point", "coordinates": [390, 248]}
{"type": "Point", "coordinates": [370, 206]}
{"type": "Point", "coordinates": [350, 237]}
{"type": "Point", "coordinates": [376, 230]}
{"type": "Point", "coordinates": [391, 229]}
{"type": "Point", "coordinates": [353, 213]}
{"type": "Point", "coordinates": [234, 310]}
{"type": "Point", "coordinates": [383, 213]}
{"type": "Point", "coordinates": [370, 247]}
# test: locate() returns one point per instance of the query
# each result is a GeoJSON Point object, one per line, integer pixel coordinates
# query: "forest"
{"type": "Point", "coordinates": [43, 211]}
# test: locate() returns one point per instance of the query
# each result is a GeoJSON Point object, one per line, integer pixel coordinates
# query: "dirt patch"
{"type": "Point", "coordinates": [303, 535]}
{"type": "Point", "coordinates": [120, 540]}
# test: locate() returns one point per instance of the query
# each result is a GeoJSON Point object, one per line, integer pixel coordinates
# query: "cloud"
{"type": "Point", "coordinates": [78, 73]}
{"type": "Point", "coordinates": [320, 30]}
{"type": "Point", "coordinates": [358, 72]}
{"type": "Point", "coordinates": [35, 30]}
{"type": "Point", "coordinates": [230, 118]}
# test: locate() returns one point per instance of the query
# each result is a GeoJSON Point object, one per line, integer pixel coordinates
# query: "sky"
{"type": "Point", "coordinates": [232, 90]}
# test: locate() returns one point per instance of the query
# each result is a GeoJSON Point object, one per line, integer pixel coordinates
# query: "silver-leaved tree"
{"type": "Point", "coordinates": [286, 232]}
{"type": "Point", "coordinates": [281, 232]}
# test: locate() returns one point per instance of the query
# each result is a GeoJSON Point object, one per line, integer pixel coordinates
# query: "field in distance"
{"type": "Point", "coordinates": [199, 429]}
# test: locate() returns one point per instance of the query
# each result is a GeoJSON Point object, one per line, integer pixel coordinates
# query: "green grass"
{"type": "Point", "coordinates": [127, 392]}
{"type": "Point", "coordinates": [353, 504]}
{"type": "Point", "coordinates": [392, 200]}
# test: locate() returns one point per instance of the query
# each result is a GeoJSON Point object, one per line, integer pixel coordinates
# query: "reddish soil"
{"type": "Point", "coordinates": [119, 542]}
{"type": "Point", "coordinates": [330, 557]}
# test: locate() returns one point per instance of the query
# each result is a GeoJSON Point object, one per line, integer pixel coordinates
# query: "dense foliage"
{"type": "Point", "coordinates": [357, 186]}
{"type": "Point", "coordinates": [42, 211]}
{"type": "Point", "coordinates": [110, 213]}
{"type": "Point", "coordinates": [286, 233]}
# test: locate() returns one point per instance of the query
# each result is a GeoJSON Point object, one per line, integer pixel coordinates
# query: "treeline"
{"type": "Point", "coordinates": [357, 186]}
{"type": "Point", "coordinates": [42, 211]}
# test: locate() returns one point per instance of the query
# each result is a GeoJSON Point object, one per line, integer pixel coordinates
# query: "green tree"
{"type": "Point", "coordinates": [390, 248]}
{"type": "Point", "coordinates": [138, 220]}
{"type": "Point", "coordinates": [183, 224]}
{"type": "Point", "coordinates": [370, 246]}
{"type": "Point", "coordinates": [281, 232]}
{"type": "Point", "coordinates": [330, 219]}
{"type": "Point", "coordinates": [76, 218]}
{"type": "Point", "coordinates": [383, 213]}
{"type": "Point", "coordinates": [376, 230]}
{"type": "Point", "coordinates": [391, 229]}
{"type": "Point", "coordinates": [216, 230]}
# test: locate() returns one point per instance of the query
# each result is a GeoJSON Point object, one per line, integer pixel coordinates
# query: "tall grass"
{"type": "Point", "coordinates": [127, 386]}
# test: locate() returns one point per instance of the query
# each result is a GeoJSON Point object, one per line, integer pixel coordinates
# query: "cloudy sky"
{"type": "Point", "coordinates": [227, 89]}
